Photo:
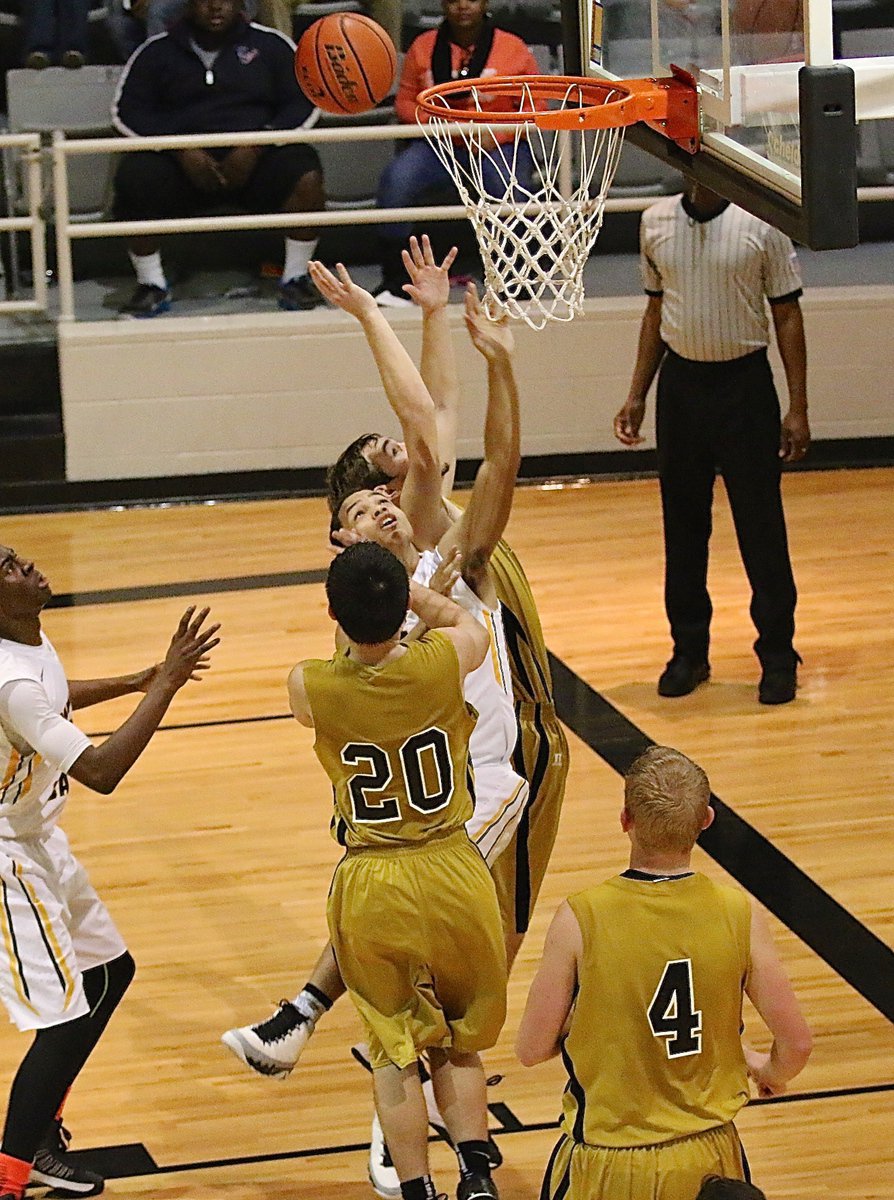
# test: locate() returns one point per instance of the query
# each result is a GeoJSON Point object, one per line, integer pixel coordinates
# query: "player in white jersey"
{"type": "Point", "coordinates": [63, 964]}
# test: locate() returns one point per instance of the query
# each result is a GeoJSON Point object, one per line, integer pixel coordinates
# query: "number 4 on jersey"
{"type": "Point", "coordinates": [672, 1013]}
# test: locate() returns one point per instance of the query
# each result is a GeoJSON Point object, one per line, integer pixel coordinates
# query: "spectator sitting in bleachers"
{"type": "Point", "coordinates": [215, 73]}
{"type": "Point", "coordinates": [465, 46]}
{"type": "Point", "coordinates": [54, 34]}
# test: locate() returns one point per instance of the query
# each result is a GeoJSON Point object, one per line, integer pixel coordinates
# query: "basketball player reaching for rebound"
{"type": "Point", "coordinates": [640, 991]}
{"type": "Point", "coordinates": [64, 967]}
{"type": "Point", "coordinates": [412, 910]}
{"type": "Point", "coordinates": [541, 748]}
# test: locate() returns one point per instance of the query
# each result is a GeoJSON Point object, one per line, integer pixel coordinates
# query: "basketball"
{"type": "Point", "coordinates": [345, 63]}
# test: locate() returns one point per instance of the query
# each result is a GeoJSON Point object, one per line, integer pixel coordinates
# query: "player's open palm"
{"type": "Point", "coordinates": [429, 283]}
{"type": "Point", "coordinates": [341, 290]}
{"type": "Point", "coordinates": [493, 339]}
{"type": "Point", "coordinates": [189, 651]}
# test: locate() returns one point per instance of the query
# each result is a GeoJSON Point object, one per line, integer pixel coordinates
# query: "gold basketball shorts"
{"type": "Point", "coordinates": [417, 935]}
{"type": "Point", "coordinates": [667, 1171]}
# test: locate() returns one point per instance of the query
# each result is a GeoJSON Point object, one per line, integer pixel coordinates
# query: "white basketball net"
{"type": "Point", "coordinates": [534, 243]}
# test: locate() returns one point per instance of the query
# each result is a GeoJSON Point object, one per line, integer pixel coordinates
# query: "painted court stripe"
{"type": "Point", "coordinates": [193, 587]}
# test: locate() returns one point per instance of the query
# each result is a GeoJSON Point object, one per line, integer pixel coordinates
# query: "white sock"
{"type": "Point", "coordinates": [298, 255]}
{"type": "Point", "coordinates": [149, 269]}
{"type": "Point", "coordinates": [310, 1006]}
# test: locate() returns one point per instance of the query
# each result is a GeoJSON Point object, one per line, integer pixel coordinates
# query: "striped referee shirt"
{"type": "Point", "coordinates": [713, 277]}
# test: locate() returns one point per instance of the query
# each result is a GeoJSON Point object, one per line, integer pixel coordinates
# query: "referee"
{"type": "Point", "coordinates": [708, 268]}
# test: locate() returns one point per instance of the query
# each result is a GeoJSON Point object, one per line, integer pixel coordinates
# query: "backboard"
{"type": "Point", "coordinates": [779, 107]}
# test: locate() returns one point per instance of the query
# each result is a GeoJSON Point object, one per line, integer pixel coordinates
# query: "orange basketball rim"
{"type": "Point", "coordinates": [668, 104]}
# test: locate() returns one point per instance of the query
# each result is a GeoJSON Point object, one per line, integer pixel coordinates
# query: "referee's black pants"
{"type": "Point", "coordinates": [723, 416]}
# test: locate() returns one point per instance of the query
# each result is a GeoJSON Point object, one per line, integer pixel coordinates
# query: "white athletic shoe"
{"type": "Point", "coordinates": [382, 1174]}
{"type": "Point", "coordinates": [274, 1046]}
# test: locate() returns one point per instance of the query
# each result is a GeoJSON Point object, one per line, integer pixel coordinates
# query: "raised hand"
{"type": "Point", "coordinates": [341, 290]}
{"type": "Point", "coordinates": [429, 283]}
{"type": "Point", "coordinates": [188, 652]}
{"type": "Point", "coordinates": [493, 339]}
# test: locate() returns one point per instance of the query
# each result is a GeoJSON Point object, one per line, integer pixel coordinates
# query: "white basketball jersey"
{"type": "Point", "coordinates": [32, 792]}
{"type": "Point", "coordinates": [489, 687]}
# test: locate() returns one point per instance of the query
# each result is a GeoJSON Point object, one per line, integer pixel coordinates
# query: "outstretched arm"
{"type": "Point", "coordinates": [407, 395]}
{"type": "Point", "coordinates": [429, 286]}
{"type": "Point", "coordinates": [551, 997]}
{"type": "Point", "coordinates": [102, 767]}
{"type": "Point", "coordinates": [484, 520]}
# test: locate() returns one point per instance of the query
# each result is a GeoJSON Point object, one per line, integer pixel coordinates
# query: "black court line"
{"type": "Point", "coordinates": [853, 951]}
{"type": "Point", "coordinates": [133, 1160]}
{"type": "Point", "coordinates": [104, 733]}
{"type": "Point", "coordinates": [194, 587]}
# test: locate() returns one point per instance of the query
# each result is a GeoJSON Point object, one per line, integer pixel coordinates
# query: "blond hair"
{"type": "Point", "coordinates": [666, 795]}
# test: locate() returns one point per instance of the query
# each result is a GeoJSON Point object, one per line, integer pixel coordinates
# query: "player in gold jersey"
{"type": "Point", "coordinates": [640, 990]}
{"type": "Point", "coordinates": [412, 911]}
{"type": "Point", "coordinates": [541, 750]}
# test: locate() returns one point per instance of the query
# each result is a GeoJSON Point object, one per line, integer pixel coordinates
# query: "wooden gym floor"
{"type": "Point", "coordinates": [214, 854]}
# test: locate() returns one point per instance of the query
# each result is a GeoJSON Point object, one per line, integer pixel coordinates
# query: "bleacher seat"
{"type": "Point", "coordinates": [875, 139]}
{"type": "Point", "coordinates": [351, 170]}
{"type": "Point", "coordinates": [77, 103]}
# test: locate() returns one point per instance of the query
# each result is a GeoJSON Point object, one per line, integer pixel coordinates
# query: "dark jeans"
{"type": "Point", "coordinates": [55, 26]}
{"type": "Point", "coordinates": [723, 417]}
{"type": "Point", "coordinates": [152, 184]}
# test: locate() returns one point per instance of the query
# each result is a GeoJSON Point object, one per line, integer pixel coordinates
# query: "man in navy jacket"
{"type": "Point", "coordinates": [215, 73]}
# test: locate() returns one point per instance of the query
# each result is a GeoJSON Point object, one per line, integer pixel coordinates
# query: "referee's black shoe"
{"type": "Point", "coordinates": [682, 675]}
{"type": "Point", "coordinates": [779, 681]}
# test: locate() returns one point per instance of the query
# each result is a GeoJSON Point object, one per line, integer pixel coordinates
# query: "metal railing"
{"type": "Point", "coordinates": [29, 155]}
{"type": "Point", "coordinates": [69, 228]}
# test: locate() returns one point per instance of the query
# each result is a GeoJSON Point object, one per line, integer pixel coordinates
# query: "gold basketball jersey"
{"type": "Point", "coordinates": [654, 1049]}
{"type": "Point", "coordinates": [531, 677]}
{"type": "Point", "coordinates": [394, 741]}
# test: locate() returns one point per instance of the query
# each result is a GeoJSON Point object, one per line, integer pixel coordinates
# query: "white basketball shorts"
{"type": "Point", "coordinates": [500, 799]}
{"type": "Point", "coordinates": [53, 926]}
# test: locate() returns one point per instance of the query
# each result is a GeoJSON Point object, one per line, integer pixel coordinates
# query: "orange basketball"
{"type": "Point", "coordinates": [345, 63]}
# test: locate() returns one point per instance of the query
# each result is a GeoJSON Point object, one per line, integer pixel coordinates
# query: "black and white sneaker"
{"type": "Point", "coordinates": [55, 1168]}
{"type": "Point", "coordinates": [274, 1046]}
{"type": "Point", "coordinates": [477, 1187]}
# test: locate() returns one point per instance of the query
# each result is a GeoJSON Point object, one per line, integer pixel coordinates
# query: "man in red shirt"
{"type": "Point", "coordinates": [465, 46]}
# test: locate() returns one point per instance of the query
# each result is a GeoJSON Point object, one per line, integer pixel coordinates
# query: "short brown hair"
{"type": "Point", "coordinates": [666, 795]}
{"type": "Point", "coordinates": [353, 472]}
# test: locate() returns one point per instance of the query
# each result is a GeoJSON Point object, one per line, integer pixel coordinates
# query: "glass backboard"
{"type": "Point", "coordinates": [779, 107]}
